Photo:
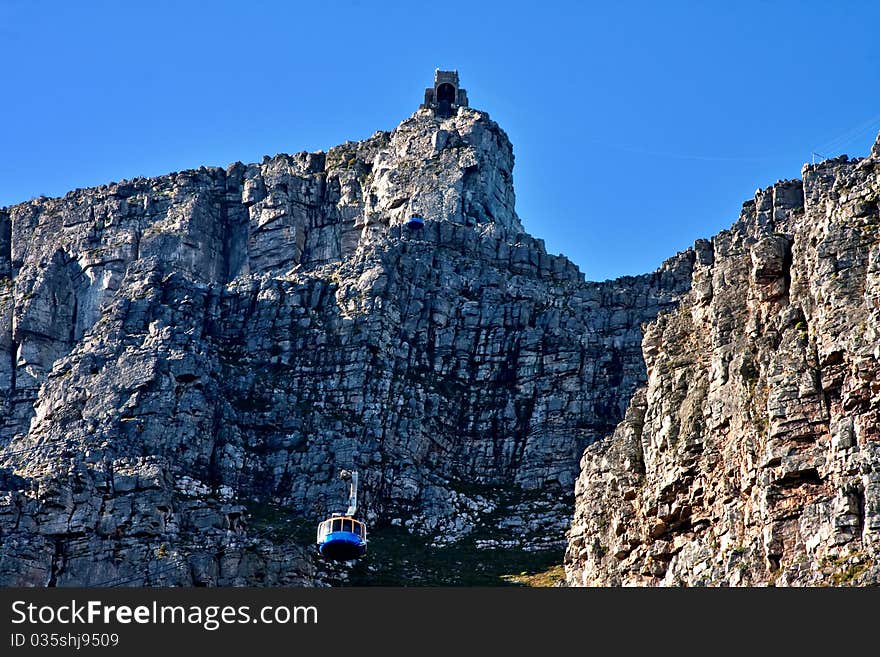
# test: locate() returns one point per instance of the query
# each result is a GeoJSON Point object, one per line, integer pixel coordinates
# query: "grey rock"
{"type": "Point", "coordinates": [748, 457]}
{"type": "Point", "coordinates": [183, 351]}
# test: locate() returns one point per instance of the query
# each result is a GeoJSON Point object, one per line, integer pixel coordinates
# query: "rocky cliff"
{"type": "Point", "coordinates": [189, 360]}
{"type": "Point", "coordinates": [752, 455]}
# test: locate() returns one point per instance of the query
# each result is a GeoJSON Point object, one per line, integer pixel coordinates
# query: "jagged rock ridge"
{"type": "Point", "coordinates": [752, 456]}
{"type": "Point", "coordinates": [189, 354]}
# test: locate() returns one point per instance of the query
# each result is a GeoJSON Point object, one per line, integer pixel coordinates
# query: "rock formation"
{"type": "Point", "coordinates": [752, 456]}
{"type": "Point", "coordinates": [189, 361]}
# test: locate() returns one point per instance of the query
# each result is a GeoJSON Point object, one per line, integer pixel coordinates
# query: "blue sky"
{"type": "Point", "coordinates": [637, 126]}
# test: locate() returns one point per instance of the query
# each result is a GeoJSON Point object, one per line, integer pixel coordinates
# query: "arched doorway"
{"type": "Point", "coordinates": [445, 99]}
{"type": "Point", "coordinates": [446, 92]}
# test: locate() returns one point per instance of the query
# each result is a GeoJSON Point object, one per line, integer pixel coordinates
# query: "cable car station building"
{"type": "Point", "coordinates": [445, 97]}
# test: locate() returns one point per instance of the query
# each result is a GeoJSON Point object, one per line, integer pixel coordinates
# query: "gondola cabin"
{"type": "Point", "coordinates": [342, 538]}
{"type": "Point", "coordinates": [415, 221]}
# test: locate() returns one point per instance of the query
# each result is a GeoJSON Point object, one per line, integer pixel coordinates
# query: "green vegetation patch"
{"type": "Point", "coordinates": [278, 524]}
{"type": "Point", "coordinates": [397, 558]}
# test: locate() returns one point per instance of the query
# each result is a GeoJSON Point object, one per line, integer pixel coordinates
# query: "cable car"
{"type": "Point", "coordinates": [415, 221]}
{"type": "Point", "coordinates": [341, 537]}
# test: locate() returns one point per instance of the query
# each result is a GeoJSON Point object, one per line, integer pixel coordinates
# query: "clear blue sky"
{"type": "Point", "coordinates": [637, 126]}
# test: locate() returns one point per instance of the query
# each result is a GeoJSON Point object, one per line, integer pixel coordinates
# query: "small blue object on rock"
{"type": "Point", "coordinates": [415, 221]}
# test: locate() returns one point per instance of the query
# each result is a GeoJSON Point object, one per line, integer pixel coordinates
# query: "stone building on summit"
{"type": "Point", "coordinates": [445, 97]}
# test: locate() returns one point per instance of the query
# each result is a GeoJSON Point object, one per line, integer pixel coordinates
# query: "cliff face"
{"type": "Point", "coordinates": [752, 456]}
{"type": "Point", "coordinates": [188, 362]}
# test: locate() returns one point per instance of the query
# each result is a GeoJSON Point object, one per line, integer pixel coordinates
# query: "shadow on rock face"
{"type": "Point", "coordinates": [10, 481]}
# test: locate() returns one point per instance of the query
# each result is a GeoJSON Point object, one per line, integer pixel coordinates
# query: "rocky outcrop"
{"type": "Point", "coordinates": [752, 456]}
{"type": "Point", "coordinates": [189, 361]}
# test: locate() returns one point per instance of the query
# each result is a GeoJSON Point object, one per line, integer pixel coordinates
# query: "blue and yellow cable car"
{"type": "Point", "coordinates": [341, 537]}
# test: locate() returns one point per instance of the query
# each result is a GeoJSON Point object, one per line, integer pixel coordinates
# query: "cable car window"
{"type": "Point", "coordinates": [358, 529]}
{"type": "Point", "coordinates": [337, 525]}
{"type": "Point", "coordinates": [346, 526]}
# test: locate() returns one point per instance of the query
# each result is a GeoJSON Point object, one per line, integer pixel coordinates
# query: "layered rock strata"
{"type": "Point", "coordinates": [752, 456]}
{"type": "Point", "coordinates": [190, 356]}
